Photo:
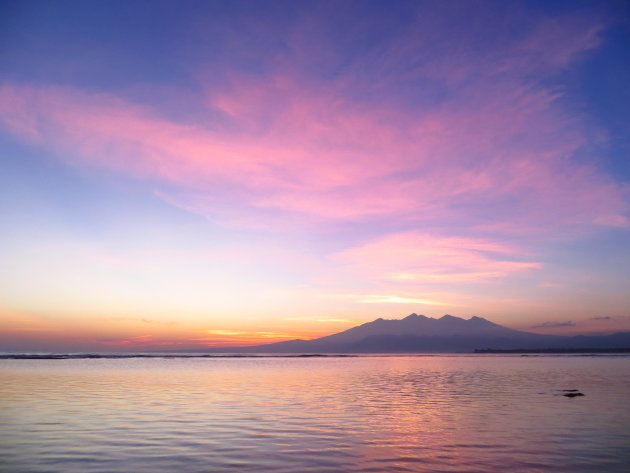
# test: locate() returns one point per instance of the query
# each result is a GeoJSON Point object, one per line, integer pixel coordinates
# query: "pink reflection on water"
{"type": "Point", "coordinates": [455, 413]}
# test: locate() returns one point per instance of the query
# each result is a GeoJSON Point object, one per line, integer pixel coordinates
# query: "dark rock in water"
{"type": "Point", "coordinates": [572, 394]}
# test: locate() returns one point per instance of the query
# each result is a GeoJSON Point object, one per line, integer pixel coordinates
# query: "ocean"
{"type": "Point", "coordinates": [425, 413]}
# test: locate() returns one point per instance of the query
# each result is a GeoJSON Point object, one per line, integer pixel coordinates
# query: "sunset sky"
{"type": "Point", "coordinates": [189, 174]}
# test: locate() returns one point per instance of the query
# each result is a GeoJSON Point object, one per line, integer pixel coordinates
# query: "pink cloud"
{"type": "Point", "coordinates": [415, 258]}
{"type": "Point", "coordinates": [494, 155]}
{"type": "Point", "coordinates": [423, 165]}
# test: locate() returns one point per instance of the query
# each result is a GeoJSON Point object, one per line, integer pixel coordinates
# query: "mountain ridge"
{"type": "Point", "coordinates": [421, 334]}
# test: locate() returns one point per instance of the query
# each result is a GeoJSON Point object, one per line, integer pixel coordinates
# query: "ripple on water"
{"type": "Point", "coordinates": [364, 414]}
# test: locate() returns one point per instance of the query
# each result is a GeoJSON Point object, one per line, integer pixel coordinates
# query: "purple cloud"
{"type": "Point", "coordinates": [568, 323]}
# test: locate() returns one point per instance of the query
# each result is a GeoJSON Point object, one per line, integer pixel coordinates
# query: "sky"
{"type": "Point", "coordinates": [196, 174]}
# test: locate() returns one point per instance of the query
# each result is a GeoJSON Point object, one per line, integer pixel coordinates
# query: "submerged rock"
{"type": "Point", "coordinates": [572, 394]}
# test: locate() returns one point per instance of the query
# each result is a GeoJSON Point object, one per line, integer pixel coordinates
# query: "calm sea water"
{"type": "Point", "coordinates": [365, 414]}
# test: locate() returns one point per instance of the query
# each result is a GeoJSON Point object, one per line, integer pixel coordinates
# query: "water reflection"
{"type": "Point", "coordinates": [315, 415]}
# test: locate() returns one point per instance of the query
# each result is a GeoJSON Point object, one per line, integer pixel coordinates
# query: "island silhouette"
{"type": "Point", "coordinates": [447, 334]}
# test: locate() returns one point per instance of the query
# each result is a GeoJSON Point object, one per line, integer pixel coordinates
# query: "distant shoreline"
{"type": "Point", "coordinates": [84, 356]}
{"type": "Point", "coordinates": [114, 356]}
{"type": "Point", "coordinates": [554, 350]}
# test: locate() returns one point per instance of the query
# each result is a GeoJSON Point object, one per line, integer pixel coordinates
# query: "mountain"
{"type": "Point", "coordinates": [448, 334]}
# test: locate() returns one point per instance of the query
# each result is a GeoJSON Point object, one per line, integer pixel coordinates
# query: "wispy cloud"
{"type": "Point", "coordinates": [334, 320]}
{"type": "Point", "coordinates": [274, 335]}
{"type": "Point", "coordinates": [490, 153]}
{"type": "Point", "coordinates": [390, 299]}
{"type": "Point", "coordinates": [419, 257]}
{"type": "Point", "coordinates": [225, 332]}
{"type": "Point", "coordinates": [568, 323]}
{"type": "Point", "coordinates": [240, 337]}
{"type": "Point", "coordinates": [315, 319]}
{"type": "Point", "coordinates": [130, 341]}
{"type": "Point", "coordinates": [550, 285]}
